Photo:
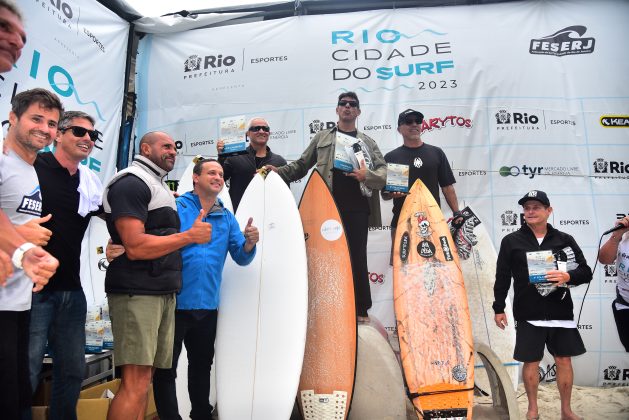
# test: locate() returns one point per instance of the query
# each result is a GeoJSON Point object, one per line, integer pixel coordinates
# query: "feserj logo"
{"type": "Point", "coordinates": [566, 41]}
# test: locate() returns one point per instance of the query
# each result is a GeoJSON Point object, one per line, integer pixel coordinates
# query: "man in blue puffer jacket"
{"type": "Point", "coordinates": [198, 301]}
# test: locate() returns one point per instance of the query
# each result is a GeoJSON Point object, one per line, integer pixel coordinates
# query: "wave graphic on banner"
{"type": "Point", "coordinates": [432, 31]}
{"type": "Point", "coordinates": [390, 89]}
{"type": "Point", "coordinates": [566, 32]}
{"type": "Point", "coordinates": [78, 99]}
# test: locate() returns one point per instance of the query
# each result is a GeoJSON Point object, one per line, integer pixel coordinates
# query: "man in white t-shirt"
{"type": "Point", "coordinates": [33, 125]}
{"type": "Point", "coordinates": [12, 39]}
{"type": "Point", "coordinates": [543, 311]}
{"type": "Point", "coordinates": [617, 249]}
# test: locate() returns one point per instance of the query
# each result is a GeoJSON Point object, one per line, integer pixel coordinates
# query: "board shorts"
{"type": "Point", "coordinates": [143, 327]}
{"type": "Point", "coordinates": [531, 340]}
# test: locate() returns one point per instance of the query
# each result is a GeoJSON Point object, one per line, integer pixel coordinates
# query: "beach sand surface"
{"type": "Point", "coordinates": [588, 402]}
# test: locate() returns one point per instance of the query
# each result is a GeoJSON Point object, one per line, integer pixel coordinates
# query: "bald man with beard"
{"type": "Point", "coordinates": [142, 283]}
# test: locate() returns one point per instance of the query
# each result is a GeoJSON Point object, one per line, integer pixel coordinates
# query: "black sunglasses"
{"type": "Point", "coordinates": [410, 120]}
{"type": "Point", "coordinates": [80, 132]}
{"type": "Point", "coordinates": [264, 128]}
{"type": "Point", "coordinates": [352, 104]}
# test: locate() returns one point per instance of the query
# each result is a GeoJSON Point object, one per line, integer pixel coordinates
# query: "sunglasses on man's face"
{"type": "Point", "coordinates": [257, 128]}
{"type": "Point", "coordinates": [352, 104]}
{"type": "Point", "coordinates": [80, 132]}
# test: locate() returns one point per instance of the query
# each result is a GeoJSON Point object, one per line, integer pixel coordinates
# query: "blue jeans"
{"type": "Point", "coordinates": [59, 318]}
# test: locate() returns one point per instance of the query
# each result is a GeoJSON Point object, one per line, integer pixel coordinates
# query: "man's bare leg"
{"type": "Point", "coordinates": [565, 377]}
{"type": "Point", "coordinates": [142, 413]}
{"type": "Point", "coordinates": [130, 400]}
{"type": "Point", "coordinates": [530, 376]}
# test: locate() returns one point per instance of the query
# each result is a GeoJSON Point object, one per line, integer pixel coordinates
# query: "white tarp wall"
{"type": "Point", "coordinates": [76, 49]}
{"type": "Point", "coordinates": [513, 110]}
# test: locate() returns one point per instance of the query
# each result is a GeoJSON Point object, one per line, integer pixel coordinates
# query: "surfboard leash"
{"type": "Point", "coordinates": [413, 395]}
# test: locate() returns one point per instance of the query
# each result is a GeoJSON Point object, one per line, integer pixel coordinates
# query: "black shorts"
{"type": "Point", "coordinates": [622, 324]}
{"type": "Point", "coordinates": [530, 341]}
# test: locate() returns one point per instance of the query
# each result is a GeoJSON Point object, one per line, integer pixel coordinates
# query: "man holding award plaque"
{"type": "Point", "coordinates": [240, 169]}
{"type": "Point", "coordinates": [416, 160]}
{"type": "Point", "coordinates": [352, 165]}
{"type": "Point", "coordinates": [422, 161]}
{"type": "Point", "coordinates": [544, 263]}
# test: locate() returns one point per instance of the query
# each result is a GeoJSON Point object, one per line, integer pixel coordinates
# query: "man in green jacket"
{"type": "Point", "coordinates": [353, 191]}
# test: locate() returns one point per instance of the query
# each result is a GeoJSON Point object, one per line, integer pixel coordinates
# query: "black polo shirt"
{"type": "Point", "coordinates": [61, 199]}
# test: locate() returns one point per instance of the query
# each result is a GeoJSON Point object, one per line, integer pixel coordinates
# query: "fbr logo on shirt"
{"type": "Point", "coordinates": [31, 203]}
{"type": "Point", "coordinates": [418, 162]}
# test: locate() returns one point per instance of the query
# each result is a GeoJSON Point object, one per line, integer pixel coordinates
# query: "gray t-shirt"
{"type": "Point", "coordinates": [20, 199]}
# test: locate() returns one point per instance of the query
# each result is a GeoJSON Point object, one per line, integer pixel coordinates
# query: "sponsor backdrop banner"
{"type": "Point", "coordinates": [521, 96]}
{"type": "Point", "coordinates": [76, 49]}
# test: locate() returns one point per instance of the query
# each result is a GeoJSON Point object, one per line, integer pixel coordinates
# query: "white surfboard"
{"type": "Point", "coordinates": [379, 388]}
{"type": "Point", "coordinates": [263, 308]}
{"type": "Point", "coordinates": [478, 264]}
{"type": "Point", "coordinates": [93, 261]}
{"type": "Point", "coordinates": [185, 185]}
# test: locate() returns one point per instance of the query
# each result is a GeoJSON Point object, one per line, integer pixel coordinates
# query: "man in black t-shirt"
{"type": "Point", "coordinates": [141, 284]}
{"type": "Point", "coordinates": [425, 161]}
{"type": "Point", "coordinates": [240, 170]}
{"type": "Point", "coordinates": [71, 194]}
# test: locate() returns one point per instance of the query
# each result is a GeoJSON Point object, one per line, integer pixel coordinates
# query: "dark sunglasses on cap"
{"type": "Point", "coordinates": [410, 119]}
{"type": "Point", "coordinates": [352, 104]}
{"type": "Point", "coordinates": [256, 128]}
{"type": "Point", "coordinates": [80, 132]}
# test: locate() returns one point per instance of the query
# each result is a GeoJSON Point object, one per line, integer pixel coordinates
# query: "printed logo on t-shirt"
{"type": "Point", "coordinates": [31, 203]}
{"type": "Point", "coordinates": [418, 162]}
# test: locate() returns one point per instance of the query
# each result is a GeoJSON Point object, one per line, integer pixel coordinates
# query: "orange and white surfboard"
{"type": "Point", "coordinates": [431, 308]}
{"type": "Point", "coordinates": [327, 376]}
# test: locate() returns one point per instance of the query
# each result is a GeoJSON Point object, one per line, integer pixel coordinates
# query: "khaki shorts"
{"type": "Point", "coordinates": [144, 329]}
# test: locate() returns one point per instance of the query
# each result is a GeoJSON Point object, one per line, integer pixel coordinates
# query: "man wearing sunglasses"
{"type": "Point", "coordinates": [425, 161]}
{"type": "Point", "coordinates": [240, 170]}
{"type": "Point", "coordinates": [359, 207]}
{"type": "Point", "coordinates": [71, 194]}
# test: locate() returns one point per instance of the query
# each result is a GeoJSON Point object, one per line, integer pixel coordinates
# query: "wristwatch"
{"type": "Point", "coordinates": [18, 255]}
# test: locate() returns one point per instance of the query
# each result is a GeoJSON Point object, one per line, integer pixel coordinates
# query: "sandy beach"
{"type": "Point", "coordinates": [587, 402]}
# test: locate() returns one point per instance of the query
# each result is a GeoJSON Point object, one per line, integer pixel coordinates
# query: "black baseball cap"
{"type": "Point", "coordinates": [535, 195]}
{"type": "Point", "coordinates": [402, 117]}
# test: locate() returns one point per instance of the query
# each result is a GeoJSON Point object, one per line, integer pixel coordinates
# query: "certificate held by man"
{"type": "Point", "coordinates": [344, 154]}
{"type": "Point", "coordinates": [233, 131]}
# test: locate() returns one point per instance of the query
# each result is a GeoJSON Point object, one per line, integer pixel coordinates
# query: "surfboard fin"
{"type": "Point", "coordinates": [479, 391]}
